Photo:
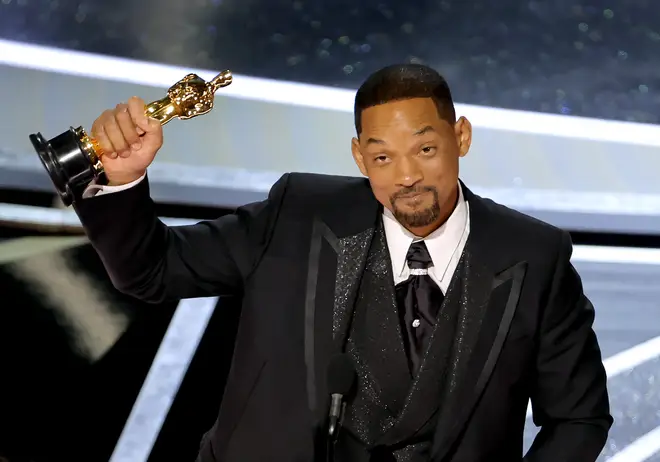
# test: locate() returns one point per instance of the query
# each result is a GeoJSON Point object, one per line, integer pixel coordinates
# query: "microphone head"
{"type": "Point", "coordinates": [341, 375]}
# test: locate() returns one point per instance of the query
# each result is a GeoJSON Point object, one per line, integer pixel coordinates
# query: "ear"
{"type": "Point", "coordinates": [463, 132]}
{"type": "Point", "coordinates": [357, 156]}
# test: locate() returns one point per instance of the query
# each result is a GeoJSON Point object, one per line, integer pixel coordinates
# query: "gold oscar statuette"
{"type": "Point", "coordinates": [73, 158]}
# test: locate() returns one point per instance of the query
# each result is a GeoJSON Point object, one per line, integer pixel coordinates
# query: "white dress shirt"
{"type": "Point", "coordinates": [98, 190]}
{"type": "Point", "coordinates": [445, 244]}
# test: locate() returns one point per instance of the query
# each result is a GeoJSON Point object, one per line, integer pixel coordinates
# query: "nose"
{"type": "Point", "coordinates": [408, 172]}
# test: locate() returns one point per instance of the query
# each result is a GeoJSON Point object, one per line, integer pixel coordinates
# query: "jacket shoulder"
{"type": "Point", "coordinates": [528, 233]}
{"type": "Point", "coordinates": [346, 204]}
{"type": "Point", "coordinates": [322, 184]}
{"type": "Point", "coordinates": [314, 190]}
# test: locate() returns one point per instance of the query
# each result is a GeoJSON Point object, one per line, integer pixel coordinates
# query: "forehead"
{"type": "Point", "coordinates": [404, 114]}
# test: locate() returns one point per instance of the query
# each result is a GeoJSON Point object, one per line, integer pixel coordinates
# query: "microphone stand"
{"type": "Point", "coordinates": [333, 434]}
{"type": "Point", "coordinates": [341, 379]}
{"type": "Point", "coordinates": [330, 451]}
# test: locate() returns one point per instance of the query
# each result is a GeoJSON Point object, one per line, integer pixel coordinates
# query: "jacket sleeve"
{"type": "Point", "coordinates": [569, 400]}
{"type": "Point", "coordinates": [154, 262]}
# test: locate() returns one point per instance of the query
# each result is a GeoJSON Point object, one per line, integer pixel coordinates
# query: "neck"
{"type": "Point", "coordinates": [446, 210]}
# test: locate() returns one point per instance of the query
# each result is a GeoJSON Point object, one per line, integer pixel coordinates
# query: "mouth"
{"type": "Point", "coordinates": [411, 196]}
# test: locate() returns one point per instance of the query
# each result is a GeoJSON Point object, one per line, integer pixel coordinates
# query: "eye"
{"type": "Point", "coordinates": [428, 150]}
{"type": "Point", "coordinates": [380, 159]}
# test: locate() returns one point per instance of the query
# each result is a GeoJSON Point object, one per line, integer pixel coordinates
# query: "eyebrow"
{"type": "Point", "coordinates": [423, 131]}
{"type": "Point", "coordinates": [420, 132]}
{"type": "Point", "coordinates": [375, 141]}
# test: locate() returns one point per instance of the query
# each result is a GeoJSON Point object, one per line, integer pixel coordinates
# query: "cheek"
{"type": "Point", "coordinates": [442, 168]}
{"type": "Point", "coordinates": [442, 175]}
{"type": "Point", "coordinates": [381, 189]}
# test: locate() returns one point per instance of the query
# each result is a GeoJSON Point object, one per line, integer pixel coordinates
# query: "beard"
{"type": "Point", "coordinates": [419, 218]}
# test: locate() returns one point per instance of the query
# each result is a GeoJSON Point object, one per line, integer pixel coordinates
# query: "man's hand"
{"type": "Point", "coordinates": [129, 140]}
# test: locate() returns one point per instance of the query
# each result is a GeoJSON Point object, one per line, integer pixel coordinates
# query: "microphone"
{"type": "Point", "coordinates": [341, 378]}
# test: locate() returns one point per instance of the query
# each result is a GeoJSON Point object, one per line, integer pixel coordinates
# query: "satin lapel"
{"type": "Point", "coordinates": [340, 240]}
{"type": "Point", "coordinates": [492, 295]}
{"type": "Point", "coordinates": [322, 265]}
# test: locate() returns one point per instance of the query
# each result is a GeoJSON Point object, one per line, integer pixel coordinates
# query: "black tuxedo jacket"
{"type": "Point", "coordinates": [535, 341]}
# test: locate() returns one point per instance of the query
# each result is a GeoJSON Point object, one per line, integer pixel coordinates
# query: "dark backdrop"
{"type": "Point", "coordinates": [581, 57]}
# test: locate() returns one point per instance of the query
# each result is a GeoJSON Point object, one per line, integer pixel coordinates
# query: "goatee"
{"type": "Point", "coordinates": [418, 218]}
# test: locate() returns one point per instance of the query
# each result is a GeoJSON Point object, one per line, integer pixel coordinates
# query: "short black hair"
{"type": "Point", "coordinates": [404, 81]}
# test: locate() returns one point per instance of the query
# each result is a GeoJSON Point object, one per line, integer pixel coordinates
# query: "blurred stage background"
{"type": "Point", "coordinates": [564, 97]}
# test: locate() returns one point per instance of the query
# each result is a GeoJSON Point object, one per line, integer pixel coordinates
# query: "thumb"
{"type": "Point", "coordinates": [147, 124]}
{"type": "Point", "coordinates": [153, 125]}
{"type": "Point", "coordinates": [153, 134]}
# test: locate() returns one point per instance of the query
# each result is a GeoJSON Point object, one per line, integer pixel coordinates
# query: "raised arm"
{"type": "Point", "coordinates": [154, 262]}
{"type": "Point", "coordinates": [144, 257]}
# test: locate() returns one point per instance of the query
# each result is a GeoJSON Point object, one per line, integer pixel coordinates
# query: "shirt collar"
{"type": "Point", "coordinates": [441, 243]}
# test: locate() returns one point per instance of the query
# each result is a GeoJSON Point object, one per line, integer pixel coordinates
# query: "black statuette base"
{"type": "Point", "coordinates": [68, 165]}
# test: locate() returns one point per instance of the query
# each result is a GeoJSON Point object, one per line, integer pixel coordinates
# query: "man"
{"type": "Point", "coordinates": [454, 311]}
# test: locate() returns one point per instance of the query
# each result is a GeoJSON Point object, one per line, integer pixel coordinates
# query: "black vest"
{"type": "Point", "coordinates": [393, 416]}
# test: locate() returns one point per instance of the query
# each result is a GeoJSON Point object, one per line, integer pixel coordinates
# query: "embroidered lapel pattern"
{"type": "Point", "coordinates": [376, 347]}
{"type": "Point", "coordinates": [379, 336]}
{"type": "Point", "coordinates": [351, 259]}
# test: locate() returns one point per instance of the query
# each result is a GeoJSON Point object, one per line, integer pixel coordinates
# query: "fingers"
{"type": "Point", "coordinates": [100, 135]}
{"type": "Point", "coordinates": [113, 131]}
{"type": "Point", "coordinates": [117, 131]}
{"type": "Point", "coordinates": [128, 129]}
{"type": "Point", "coordinates": [150, 130]}
{"type": "Point", "coordinates": [136, 110]}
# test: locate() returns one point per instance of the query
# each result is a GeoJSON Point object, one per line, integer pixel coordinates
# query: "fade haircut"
{"type": "Point", "coordinates": [400, 82]}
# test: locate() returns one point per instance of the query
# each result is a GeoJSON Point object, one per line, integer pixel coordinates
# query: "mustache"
{"type": "Point", "coordinates": [412, 190]}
